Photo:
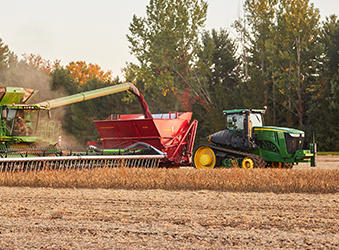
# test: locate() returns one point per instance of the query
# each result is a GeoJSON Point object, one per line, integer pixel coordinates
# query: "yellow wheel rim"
{"type": "Point", "coordinates": [276, 164]}
{"type": "Point", "coordinates": [204, 158]}
{"type": "Point", "coordinates": [247, 163]}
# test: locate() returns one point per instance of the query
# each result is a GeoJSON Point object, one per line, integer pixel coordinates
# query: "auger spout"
{"type": "Point", "coordinates": [62, 101]}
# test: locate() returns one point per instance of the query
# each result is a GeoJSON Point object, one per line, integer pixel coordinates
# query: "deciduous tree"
{"type": "Point", "coordinates": [4, 54]}
{"type": "Point", "coordinates": [82, 72]}
{"type": "Point", "coordinates": [38, 62]}
{"type": "Point", "coordinates": [166, 44]}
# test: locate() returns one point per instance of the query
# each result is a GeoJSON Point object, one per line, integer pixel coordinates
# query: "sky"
{"type": "Point", "coordinates": [95, 30]}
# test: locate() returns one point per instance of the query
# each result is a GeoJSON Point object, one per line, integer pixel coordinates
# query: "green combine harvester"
{"type": "Point", "coordinates": [247, 143]}
{"type": "Point", "coordinates": [29, 139]}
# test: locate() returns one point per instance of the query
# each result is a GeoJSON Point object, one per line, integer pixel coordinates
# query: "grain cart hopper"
{"type": "Point", "coordinates": [172, 133]}
{"type": "Point", "coordinates": [247, 143]}
{"type": "Point", "coordinates": [28, 139]}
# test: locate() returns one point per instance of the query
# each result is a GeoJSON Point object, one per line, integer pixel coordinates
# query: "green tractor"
{"type": "Point", "coordinates": [247, 143]}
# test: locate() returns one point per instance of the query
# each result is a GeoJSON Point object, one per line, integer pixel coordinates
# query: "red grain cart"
{"type": "Point", "coordinates": [172, 133]}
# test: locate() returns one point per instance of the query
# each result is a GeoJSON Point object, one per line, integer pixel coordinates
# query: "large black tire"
{"type": "Point", "coordinates": [259, 162]}
{"type": "Point", "coordinates": [253, 161]}
{"type": "Point", "coordinates": [288, 165]}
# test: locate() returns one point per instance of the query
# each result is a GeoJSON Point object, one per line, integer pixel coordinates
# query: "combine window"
{"type": "Point", "coordinates": [21, 122]}
{"type": "Point", "coordinates": [10, 121]}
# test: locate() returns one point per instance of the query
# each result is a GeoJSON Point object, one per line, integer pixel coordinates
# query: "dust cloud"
{"type": "Point", "coordinates": [32, 78]}
{"type": "Point", "coordinates": [28, 77]}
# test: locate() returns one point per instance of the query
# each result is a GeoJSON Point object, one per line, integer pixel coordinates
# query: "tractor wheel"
{"type": "Point", "coordinates": [204, 158]}
{"type": "Point", "coordinates": [288, 165]}
{"type": "Point", "coordinates": [275, 164]}
{"type": "Point", "coordinates": [247, 163]}
{"type": "Point", "coordinates": [259, 162]}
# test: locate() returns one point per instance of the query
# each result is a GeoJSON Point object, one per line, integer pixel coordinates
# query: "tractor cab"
{"type": "Point", "coordinates": [239, 127]}
{"type": "Point", "coordinates": [241, 121]}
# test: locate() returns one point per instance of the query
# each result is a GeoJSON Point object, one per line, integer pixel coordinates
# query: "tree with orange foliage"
{"type": "Point", "coordinates": [82, 72]}
{"type": "Point", "coordinates": [36, 61]}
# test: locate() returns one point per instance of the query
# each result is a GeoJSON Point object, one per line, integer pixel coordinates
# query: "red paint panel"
{"type": "Point", "coordinates": [106, 129]}
{"type": "Point", "coordinates": [170, 133]}
{"type": "Point", "coordinates": [127, 128]}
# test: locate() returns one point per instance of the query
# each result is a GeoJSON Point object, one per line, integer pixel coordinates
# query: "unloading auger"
{"type": "Point", "coordinates": [29, 138]}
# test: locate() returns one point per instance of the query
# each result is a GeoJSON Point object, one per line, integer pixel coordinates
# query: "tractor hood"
{"type": "Point", "coordinates": [280, 129]}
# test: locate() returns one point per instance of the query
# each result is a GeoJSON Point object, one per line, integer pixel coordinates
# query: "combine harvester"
{"type": "Point", "coordinates": [29, 140]}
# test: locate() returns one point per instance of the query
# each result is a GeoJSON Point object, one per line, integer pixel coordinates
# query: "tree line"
{"type": "Point", "coordinates": [283, 57]}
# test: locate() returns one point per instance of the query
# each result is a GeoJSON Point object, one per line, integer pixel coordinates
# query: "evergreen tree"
{"type": "Point", "coordinates": [326, 94]}
{"type": "Point", "coordinates": [298, 28]}
{"type": "Point", "coordinates": [218, 63]}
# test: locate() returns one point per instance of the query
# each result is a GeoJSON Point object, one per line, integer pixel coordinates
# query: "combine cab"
{"type": "Point", "coordinates": [23, 125]}
{"type": "Point", "coordinates": [172, 133]}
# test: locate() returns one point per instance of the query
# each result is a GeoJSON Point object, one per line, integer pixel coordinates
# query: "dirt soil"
{"type": "Point", "coordinates": [46, 218]}
{"type": "Point", "coordinates": [322, 162]}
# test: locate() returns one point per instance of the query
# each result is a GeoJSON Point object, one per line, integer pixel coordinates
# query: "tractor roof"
{"type": "Point", "coordinates": [242, 111]}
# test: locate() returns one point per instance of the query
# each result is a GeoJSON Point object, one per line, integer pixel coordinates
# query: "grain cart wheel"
{"type": "Point", "coordinates": [204, 158]}
{"type": "Point", "coordinates": [247, 163]}
{"type": "Point", "coordinates": [276, 164]}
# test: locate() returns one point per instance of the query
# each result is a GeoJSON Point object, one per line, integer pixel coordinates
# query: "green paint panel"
{"type": "Point", "coordinates": [12, 95]}
{"type": "Point", "coordinates": [239, 111]}
{"type": "Point", "coordinates": [279, 129]}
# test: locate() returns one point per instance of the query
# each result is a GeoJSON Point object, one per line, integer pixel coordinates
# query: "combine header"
{"type": "Point", "coordinates": [29, 139]}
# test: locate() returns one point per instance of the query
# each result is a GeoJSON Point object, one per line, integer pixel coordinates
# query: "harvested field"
{"type": "Point", "coordinates": [151, 218]}
{"type": "Point", "coordinates": [46, 218]}
{"type": "Point", "coordinates": [323, 162]}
